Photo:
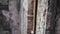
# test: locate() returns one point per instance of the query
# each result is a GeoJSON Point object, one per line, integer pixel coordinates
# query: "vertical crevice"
{"type": "Point", "coordinates": [35, 16]}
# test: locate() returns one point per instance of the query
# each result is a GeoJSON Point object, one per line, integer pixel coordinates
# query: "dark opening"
{"type": "Point", "coordinates": [35, 16]}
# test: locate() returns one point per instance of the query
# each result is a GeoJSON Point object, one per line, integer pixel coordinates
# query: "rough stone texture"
{"type": "Point", "coordinates": [17, 22]}
{"type": "Point", "coordinates": [58, 18]}
{"type": "Point", "coordinates": [51, 17]}
{"type": "Point", "coordinates": [4, 24]}
{"type": "Point", "coordinates": [16, 16]}
{"type": "Point", "coordinates": [12, 16]}
{"type": "Point", "coordinates": [41, 16]}
{"type": "Point", "coordinates": [4, 2]}
{"type": "Point", "coordinates": [30, 16]}
{"type": "Point", "coordinates": [13, 13]}
{"type": "Point", "coordinates": [23, 17]}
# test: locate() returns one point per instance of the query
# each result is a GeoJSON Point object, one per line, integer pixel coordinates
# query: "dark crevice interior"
{"type": "Point", "coordinates": [58, 7]}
